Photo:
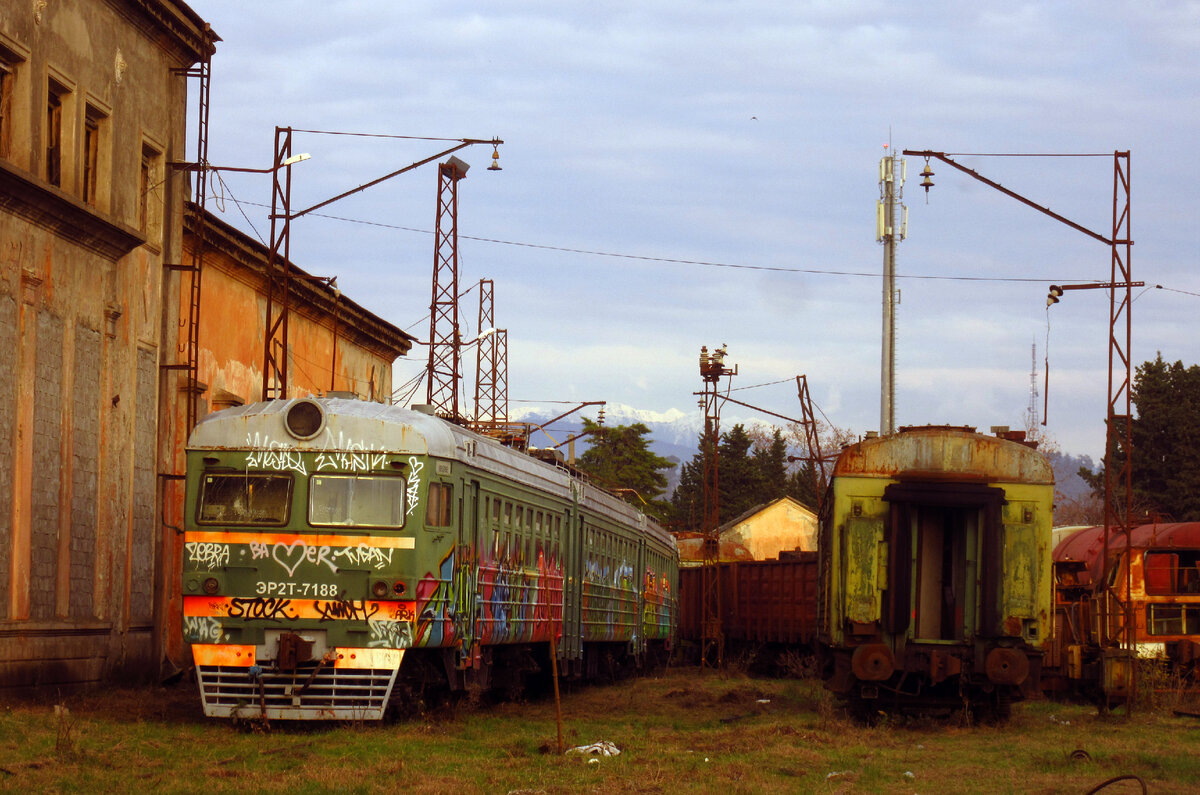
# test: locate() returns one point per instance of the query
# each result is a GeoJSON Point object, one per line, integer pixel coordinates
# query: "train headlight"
{"type": "Point", "coordinates": [399, 588]}
{"type": "Point", "coordinates": [305, 418]}
{"type": "Point", "coordinates": [380, 589]}
{"type": "Point", "coordinates": [211, 586]}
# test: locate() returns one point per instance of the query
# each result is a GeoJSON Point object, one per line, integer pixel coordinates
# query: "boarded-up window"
{"type": "Point", "coordinates": [85, 445]}
{"type": "Point", "coordinates": [47, 467]}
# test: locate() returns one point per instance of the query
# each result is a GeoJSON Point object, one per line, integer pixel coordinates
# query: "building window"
{"type": "Point", "coordinates": [7, 79]}
{"type": "Point", "coordinates": [54, 132]}
{"type": "Point", "coordinates": [12, 64]}
{"type": "Point", "coordinates": [150, 189]}
{"type": "Point", "coordinates": [94, 124]}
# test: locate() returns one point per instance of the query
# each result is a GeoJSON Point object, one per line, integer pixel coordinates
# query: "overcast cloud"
{"type": "Point", "coordinates": [745, 134]}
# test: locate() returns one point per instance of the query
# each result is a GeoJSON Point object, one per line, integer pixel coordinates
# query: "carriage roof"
{"type": "Point", "coordinates": [359, 426]}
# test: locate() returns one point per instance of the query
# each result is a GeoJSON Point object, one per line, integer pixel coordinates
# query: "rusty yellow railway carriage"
{"type": "Point", "coordinates": [342, 556]}
{"type": "Point", "coordinates": [935, 571]}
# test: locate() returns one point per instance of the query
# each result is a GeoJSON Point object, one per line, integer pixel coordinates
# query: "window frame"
{"type": "Point", "coordinates": [445, 504]}
{"type": "Point", "coordinates": [256, 475]}
{"type": "Point", "coordinates": [401, 489]}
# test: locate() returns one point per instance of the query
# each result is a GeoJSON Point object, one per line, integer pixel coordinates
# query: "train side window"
{"type": "Point", "coordinates": [437, 510]}
{"type": "Point", "coordinates": [495, 514]}
{"type": "Point", "coordinates": [1160, 570]}
{"type": "Point", "coordinates": [520, 517]}
{"type": "Point", "coordinates": [507, 513]}
{"type": "Point", "coordinates": [1174, 572]}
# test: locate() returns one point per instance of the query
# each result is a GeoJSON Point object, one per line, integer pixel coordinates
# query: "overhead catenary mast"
{"type": "Point", "coordinates": [891, 225]}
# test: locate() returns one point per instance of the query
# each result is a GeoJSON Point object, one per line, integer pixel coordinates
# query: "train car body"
{"type": "Point", "coordinates": [1153, 579]}
{"type": "Point", "coordinates": [338, 552]}
{"type": "Point", "coordinates": [769, 604]}
{"type": "Point", "coordinates": [935, 571]}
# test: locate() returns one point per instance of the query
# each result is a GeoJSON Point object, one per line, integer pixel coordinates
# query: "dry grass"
{"type": "Point", "coordinates": [680, 731]}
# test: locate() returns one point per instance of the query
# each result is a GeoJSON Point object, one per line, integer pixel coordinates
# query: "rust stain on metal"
{"type": "Point", "coordinates": [928, 452]}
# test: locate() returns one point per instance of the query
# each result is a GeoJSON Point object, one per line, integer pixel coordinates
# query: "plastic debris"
{"type": "Point", "coordinates": [909, 774]}
{"type": "Point", "coordinates": [837, 774]}
{"type": "Point", "coordinates": [764, 701]}
{"type": "Point", "coordinates": [602, 748]}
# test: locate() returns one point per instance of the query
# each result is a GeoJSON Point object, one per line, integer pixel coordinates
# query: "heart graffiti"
{"type": "Point", "coordinates": [294, 550]}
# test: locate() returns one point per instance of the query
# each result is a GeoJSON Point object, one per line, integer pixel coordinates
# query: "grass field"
{"type": "Point", "coordinates": [680, 731]}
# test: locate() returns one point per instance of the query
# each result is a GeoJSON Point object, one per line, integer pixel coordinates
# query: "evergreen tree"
{"type": "Point", "coordinates": [1166, 441]}
{"type": "Point", "coordinates": [740, 480]}
{"type": "Point", "coordinates": [620, 459]}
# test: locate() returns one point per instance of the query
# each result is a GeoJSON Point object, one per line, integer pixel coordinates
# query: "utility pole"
{"type": "Point", "coordinates": [1119, 663]}
{"type": "Point", "coordinates": [891, 225]}
{"type": "Point", "coordinates": [1031, 414]}
{"type": "Point", "coordinates": [712, 370]}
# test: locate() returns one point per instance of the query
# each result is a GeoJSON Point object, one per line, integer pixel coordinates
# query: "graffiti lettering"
{"type": "Point", "coordinates": [402, 612]}
{"type": "Point", "coordinates": [210, 556]}
{"type": "Point", "coordinates": [259, 550]}
{"type": "Point", "coordinates": [351, 462]}
{"type": "Point", "coordinates": [346, 609]}
{"type": "Point", "coordinates": [390, 634]}
{"type": "Point", "coordinates": [276, 460]}
{"type": "Point", "coordinates": [267, 608]}
{"type": "Point", "coordinates": [290, 556]}
{"type": "Point", "coordinates": [366, 555]}
{"type": "Point", "coordinates": [414, 484]}
{"type": "Point", "coordinates": [199, 629]}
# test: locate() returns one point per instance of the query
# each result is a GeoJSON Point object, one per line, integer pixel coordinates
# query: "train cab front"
{"type": "Point", "coordinates": [298, 573]}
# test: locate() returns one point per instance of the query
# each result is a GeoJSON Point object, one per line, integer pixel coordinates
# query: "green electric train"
{"type": "Point", "coordinates": [341, 556]}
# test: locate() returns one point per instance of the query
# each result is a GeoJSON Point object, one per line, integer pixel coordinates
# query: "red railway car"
{"type": "Point", "coordinates": [1154, 579]}
{"type": "Point", "coordinates": [764, 603]}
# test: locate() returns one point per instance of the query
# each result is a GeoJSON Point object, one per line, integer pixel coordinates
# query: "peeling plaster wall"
{"type": "Point", "coordinates": [81, 280]}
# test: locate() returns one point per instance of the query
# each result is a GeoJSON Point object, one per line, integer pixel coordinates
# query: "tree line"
{"type": "Point", "coordinates": [754, 469]}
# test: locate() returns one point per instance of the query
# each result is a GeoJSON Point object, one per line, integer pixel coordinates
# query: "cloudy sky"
{"type": "Point", "coordinates": [678, 174]}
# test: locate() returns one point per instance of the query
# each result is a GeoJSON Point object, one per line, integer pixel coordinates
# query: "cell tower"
{"type": "Point", "coordinates": [1031, 414]}
{"type": "Point", "coordinates": [891, 225]}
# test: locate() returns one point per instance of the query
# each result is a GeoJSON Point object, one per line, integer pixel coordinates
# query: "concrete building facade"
{"type": "Point", "coordinates": [94, 246]}
{"type": "Point", "coordinates": [92, 108]}
{"type": "Point", "coordinates": [782, 525]}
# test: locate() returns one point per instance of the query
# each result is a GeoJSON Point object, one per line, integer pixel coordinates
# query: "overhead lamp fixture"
{"type": "Point", "coordinates": [296, 159]}
{"type": "Point", "coordinates": [495, 166]}
{"type": "Point", "coordinates": [459, 167]}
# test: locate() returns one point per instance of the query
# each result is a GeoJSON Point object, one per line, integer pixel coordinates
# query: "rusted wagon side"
{"type": "Point", "coordinates": [1156, 583]}
{"type": "Point", "coordinates": [766, 602]}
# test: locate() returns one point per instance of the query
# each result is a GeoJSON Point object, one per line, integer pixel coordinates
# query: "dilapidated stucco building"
{"type": "Point", "coordinates": [92, 109]}
{"type": "Point", "coordinates": [95, 276]}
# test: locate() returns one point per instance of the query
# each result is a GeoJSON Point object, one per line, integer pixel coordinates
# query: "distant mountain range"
{"type": "Point", "coordinates": [675, 435]}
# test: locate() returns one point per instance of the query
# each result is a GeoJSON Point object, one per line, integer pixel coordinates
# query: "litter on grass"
{"type": "Point", "coordinates": [602, 748]}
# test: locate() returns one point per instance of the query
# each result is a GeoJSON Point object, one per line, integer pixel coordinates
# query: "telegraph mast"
{"type": "Point", "coordinates": [891, 225]}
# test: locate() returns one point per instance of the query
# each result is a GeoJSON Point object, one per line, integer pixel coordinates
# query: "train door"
{"type": "Point", "coordinates": [941, 574]}
{"type": "Point", "coordinates": [466, 575]}
{"type": "Point", "coordinates": [572, 569]}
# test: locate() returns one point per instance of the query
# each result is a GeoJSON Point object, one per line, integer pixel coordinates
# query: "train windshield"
{"type": "Point", "coordinates": [245, 499]}
{"type": "Point", "coordinates": [356, 501]}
